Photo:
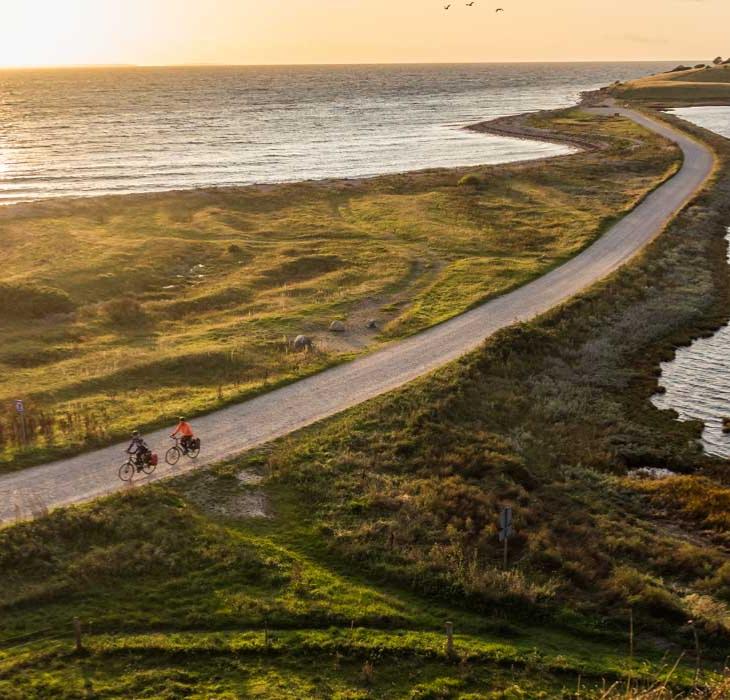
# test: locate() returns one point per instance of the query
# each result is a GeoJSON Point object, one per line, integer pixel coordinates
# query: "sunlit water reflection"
{"type": "Point", "coordinates": [102, 131]}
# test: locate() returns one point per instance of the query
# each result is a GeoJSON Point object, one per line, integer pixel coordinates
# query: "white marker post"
{"type": "Point", "coordinates": [20, 410]}
{"type": "Point", "coordinates": [506, 531]}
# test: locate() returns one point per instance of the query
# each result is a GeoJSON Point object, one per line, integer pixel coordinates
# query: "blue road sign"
{"type": "Point", "coordinates": [505, 524]}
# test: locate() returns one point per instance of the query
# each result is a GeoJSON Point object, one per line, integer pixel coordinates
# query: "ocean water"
{"type": "Point", "coordinates": [697, 381]}
{"type": "Point", "coordinates": [81, 132]}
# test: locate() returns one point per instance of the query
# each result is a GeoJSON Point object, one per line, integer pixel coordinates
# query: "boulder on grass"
{"type": "Point", "coordinates": [372, 324]}
{"type": "Point", "coordinates": [303, 342]}
{"type": "Point", "coordinates": [337, 327]}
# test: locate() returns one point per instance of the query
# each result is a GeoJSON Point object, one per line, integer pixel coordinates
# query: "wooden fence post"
{"type": "Point", "coordinates": [449, 638]}
{"type": "Point", "coordinates": [695, 634]}
{"type": "Point", "coordinates": [77, 634]}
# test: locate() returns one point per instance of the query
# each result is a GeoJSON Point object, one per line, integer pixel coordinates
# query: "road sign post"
{"type": "Point", "coordinates": [506, 531]}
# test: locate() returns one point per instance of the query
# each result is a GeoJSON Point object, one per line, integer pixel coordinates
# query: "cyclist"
{"type": "Point", "coordinates": [186, 432]}
{"type": "Point", "coordinates": [139, 449]}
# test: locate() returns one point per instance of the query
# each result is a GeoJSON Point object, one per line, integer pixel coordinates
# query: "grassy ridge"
{"type": "Point", "coordinates": [690, 88]}
{"type": "Point", "coordinates": [383, 527]}
{"type": "Point", "coordinates": [182, 302]}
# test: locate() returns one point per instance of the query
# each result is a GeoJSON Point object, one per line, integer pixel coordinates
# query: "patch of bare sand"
{"type": "Point", "coordinates": [249, 477]}
{"type": "Point", "coordinates": [229, 497]}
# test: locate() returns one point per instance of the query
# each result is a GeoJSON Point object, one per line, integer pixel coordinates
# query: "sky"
{"type": "Point", "coordinates": [170, 32]}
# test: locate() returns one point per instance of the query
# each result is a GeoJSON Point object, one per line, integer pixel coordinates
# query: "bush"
{"type": "Point", "coordinates": [124, 311]}
{"type": "Point", "coordinates": [32, 301]}
{"type": "Point", "coordinates": [470, 180]}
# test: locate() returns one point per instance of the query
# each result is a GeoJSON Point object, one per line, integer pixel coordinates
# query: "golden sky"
{"type": "Point", "coordinates": [165, 32]}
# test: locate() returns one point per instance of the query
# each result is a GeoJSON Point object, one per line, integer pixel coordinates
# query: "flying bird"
{"type": "Point", "coordinates": [470, 4]}
{"type": "Point", "coordinates": [446, 7]}
{"type": "Point", "coordinates": [499, 9]}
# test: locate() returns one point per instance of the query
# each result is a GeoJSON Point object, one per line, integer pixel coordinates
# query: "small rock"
{"type": "Point", "coordinates": [337, 327]}
{"type": "Point", "coordinates": [372, 323]}
{"type": "Point", "coordinates": [302, 342]}
{"type": "Point", "coordinates": [651, 473]}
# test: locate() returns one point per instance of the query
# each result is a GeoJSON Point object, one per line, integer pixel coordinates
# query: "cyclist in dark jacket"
{"type": "Point", "coordinates": [138, 448]}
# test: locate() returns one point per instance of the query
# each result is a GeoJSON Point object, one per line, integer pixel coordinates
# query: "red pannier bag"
{"type": "Point", "coordinates": [154, 459]}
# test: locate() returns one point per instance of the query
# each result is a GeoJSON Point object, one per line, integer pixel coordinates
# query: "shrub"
{"type": "Point", "coordinates": [124, 311]}
{"type": "Point", "coordinates": [32, 301]}
{"type": "Point", "coordinates": [630, 586]}
{"type": "Point", "coordinates": [713, 615]}
{"type": "Point", "coordinates": [471, 180]}
{"type": "Point", "coordinates": [234, 249]}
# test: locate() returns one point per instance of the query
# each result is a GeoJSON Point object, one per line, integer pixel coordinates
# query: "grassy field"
{"type": "Point", "coordinates": [125, 312]}
{"type": "Point", "coordinates": [695, 87]}
{"type": "Point", "coordinates": [179, 599]}
{"type": "Point", "coordinates": [377, 527]}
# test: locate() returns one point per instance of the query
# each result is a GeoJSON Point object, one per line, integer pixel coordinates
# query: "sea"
{"type": "Point", "coordinates": [100, 131]}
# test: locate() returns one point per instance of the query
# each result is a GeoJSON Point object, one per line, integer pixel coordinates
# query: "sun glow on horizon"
{"type": "Point", "coordinates": [167, 32]}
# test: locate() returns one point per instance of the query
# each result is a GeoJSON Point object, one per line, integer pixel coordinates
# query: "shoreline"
{"type": "Point", "coordinates": [493, 127]}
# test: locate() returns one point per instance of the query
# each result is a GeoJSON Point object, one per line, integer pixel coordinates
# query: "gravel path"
{"type": "Point", "coordinates": [233, 430]}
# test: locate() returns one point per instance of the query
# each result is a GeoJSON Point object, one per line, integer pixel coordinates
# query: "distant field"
{"type": "Point", "coordinates": [125, 312]}
{"type": "Point", "coordinates": [695, 87]}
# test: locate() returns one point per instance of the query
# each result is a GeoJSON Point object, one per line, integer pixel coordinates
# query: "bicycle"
{"type": "Point", "coordinates": [172, 457]}
{"type": "Point", "coordinates": [132, 466]}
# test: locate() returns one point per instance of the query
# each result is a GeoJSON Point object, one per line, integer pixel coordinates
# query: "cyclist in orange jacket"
{"type": "Point", "coordinates": [186, 432]}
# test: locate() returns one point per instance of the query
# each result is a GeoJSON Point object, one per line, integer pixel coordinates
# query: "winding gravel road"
{"type": "Point", "coordinates": [233, 430]}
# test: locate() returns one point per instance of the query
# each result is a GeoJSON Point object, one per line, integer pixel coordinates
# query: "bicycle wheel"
{"type": "Point", "coordinates": [148, 467]}
{"type": "Point", "coordinates": [194, 451]}
{"type": "Point", "coordinates": [126, 471]}
{"type": "Point", "coordinates": [172, 457]}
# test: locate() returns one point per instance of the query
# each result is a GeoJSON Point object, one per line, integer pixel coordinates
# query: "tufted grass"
{"type": "Point", "coordinates": [150, 334]}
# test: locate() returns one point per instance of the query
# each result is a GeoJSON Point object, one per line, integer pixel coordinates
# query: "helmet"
{"type": "Point", "coordinates": [181, 419]}
{"type": "Point", "coordinates": [135, 433]}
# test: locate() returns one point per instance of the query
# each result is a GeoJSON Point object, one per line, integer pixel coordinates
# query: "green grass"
{"type": "Point", "coordinates": [382, 528]}
{"type": "Point", "coordinates": [144, 334]}
{"type": "Point", "coordinates": [176, 601]}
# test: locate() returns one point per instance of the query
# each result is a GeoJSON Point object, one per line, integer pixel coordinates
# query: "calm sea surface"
{"type": "Point", "coordinates": [102, 131]}
{"type": "Point", "coordinates": [698, 380]}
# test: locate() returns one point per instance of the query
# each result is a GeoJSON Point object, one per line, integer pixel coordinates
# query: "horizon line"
{"type": "Point", "coordinates": [67, 66]}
